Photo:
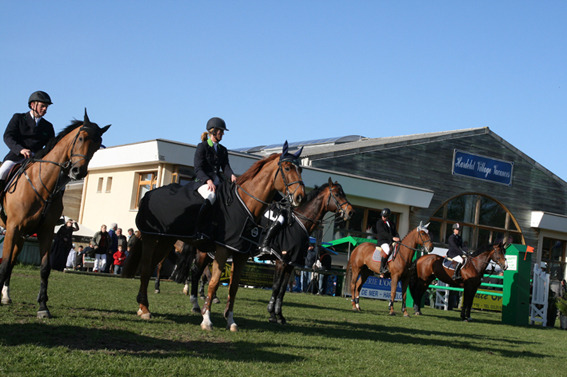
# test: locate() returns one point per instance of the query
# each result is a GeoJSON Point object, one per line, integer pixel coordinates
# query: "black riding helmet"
{"type": "Point", "coordinates": [40, 96]}
{"type": "Point", "coordinates": [216, 123]}
{"type": "Point", "coordinates": [386, 212]}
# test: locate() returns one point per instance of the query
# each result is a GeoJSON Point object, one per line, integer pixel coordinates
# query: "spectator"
{"type": "Point", "coordinates": [309, 261]}
{"type": "Point", "coordinates": [71, 258]}
{"type": "Point", "coordinates": [121, 239]}
{"type": "Point", "coordinates": [101, 242]}
{"type": "Point", "coordinates": [325, 259]}
{"type": "Point", "coordinates": [112, 248]}
{"type": "Point", "coordinates": [79, 258]}
{"type": "Point", "coordinates": [62, 244]}
{"type": "Point", "coordinates": [131, 239]}
{"type": "Point", "coordinates": [119, 258]}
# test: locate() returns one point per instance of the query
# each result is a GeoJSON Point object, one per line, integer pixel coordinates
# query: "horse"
{"type": "Point", "coordinates": [362, 264]}
{"type": "Point", "coordinates": [328, 198]}
{"type": "Point", "coordinates": [239, 205]}
{"type": "Point", "coordinates": [431, 266]}
{"type": "Point", "coordinates": [33, 200]}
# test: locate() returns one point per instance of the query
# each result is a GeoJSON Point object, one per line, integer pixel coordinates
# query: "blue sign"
{"type": "Point", "coordinates": [481, 167]}
{"type": "Point", "coordinates": [374, 287]}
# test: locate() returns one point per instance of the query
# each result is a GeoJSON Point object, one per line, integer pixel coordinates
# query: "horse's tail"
{"type": "Point", "coordinates": [183, 264]}
{"type": "Point", "coordinates": [133, 260]}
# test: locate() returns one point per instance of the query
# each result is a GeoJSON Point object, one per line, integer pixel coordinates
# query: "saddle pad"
{"type": "Point", "coordinates": [449, 263]}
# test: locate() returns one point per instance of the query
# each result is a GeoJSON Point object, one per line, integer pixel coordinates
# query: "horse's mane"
{"type": "Point", "coordinates": [315, 192]}
{"type": "Point", "coordinates": [53, 141]}
{"type": "Point", "coordinates": [255, 168]}
{"type": "Point", "coordinates": [483, 249]}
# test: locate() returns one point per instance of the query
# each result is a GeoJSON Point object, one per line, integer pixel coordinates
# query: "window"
{"type": "Point", "coordinates": [360, 222]}
{"type": "Point", "coordinates": [100, 183]}
{"type": "Point", "coordinates": [146, 181]}
{"type": "Point", "coordinates": [484, 221]}
{"type": "Point", "coordinates": [553, 253]}
{"type": "Point", "coordinates": [108, 184]}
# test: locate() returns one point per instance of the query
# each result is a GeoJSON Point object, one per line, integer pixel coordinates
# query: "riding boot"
{"type": "Point", "coordinates": [265, 249]}
{"type": "Point", "coordinates": [203, 239]}
{"type": "Point", "coordinates": [384, 265]}
{"type": "Point", "coordinates": [457, 273]}
{"type": "Point", "coordinates": [2, 186]}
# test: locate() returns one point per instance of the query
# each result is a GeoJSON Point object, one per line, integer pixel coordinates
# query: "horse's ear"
{"type": "Point", "coordinates": [104, 129]}
{"type": "Point", "coordinates": [298, 153]}
{"type": "Point", "coordinates": [285, 148]}
{"type": "Point", "coordinates": [426, 225]}
{"type": "Point", "coordinates": [330, 181]}
{"type": "Point", "coordinates": [86, 120]}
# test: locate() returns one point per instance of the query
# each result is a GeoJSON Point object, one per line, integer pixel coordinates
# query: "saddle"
{"type": "Point", "coordinates": [379, 253]}
{"type": "Point", "coordinates": [451, 264]}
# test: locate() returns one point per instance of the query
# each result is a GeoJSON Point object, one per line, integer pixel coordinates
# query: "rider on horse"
{"type": "Point", "coordinates": [211, 158]}
{"type": "Point", "coordinates": [455, 251]}
{"type": "Point", "coordinates": [386, 235]}
{"type": "Point", "coordinates": [26, 134]}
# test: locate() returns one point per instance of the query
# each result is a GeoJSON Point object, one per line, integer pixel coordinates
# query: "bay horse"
{"type": "Point", "coordinates": [361, 264]}
{"type": "Point", "coordinates": [33, 200]}
{"type": "Point", "coordinates": [428, 267]}
{"type": "Point", "coordinates": [328, 198]}
{"type": "Point", "coordinates": [250, 195]}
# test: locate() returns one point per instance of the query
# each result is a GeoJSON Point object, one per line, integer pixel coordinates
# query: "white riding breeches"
{"type": "Point", "coordinates": [207, 194]}
{"type": "Point", "coordinates": [458, 259]}
{"type": "Point", "coordinates": [5, 168]}
{"type": "Point", "coordinates": [386, 248]}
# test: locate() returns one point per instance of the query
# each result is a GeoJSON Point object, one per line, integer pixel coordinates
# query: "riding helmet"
{"type": "Point", "coordinates": [40, 96]}
{"type": "Point", "coordinates": [456, 226]}
{"type": "Point", "coordinates": [386, 212]}
{"type": "Point", "coordinates": [216, 123]}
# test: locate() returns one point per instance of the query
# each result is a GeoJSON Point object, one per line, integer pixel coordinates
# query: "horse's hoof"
{"type": "Point", "coordinates": [6, 301]}
{"type": "Point", "coordinates": [406, 315]}
{"type": "Point", "coordinates": [216, 300]}
{"type": "Point", "coordinates": [282, 321]}
{"type": "Point", "coordinates": [206, 326]}
{"type": "Point", "coordinates": [42, 314]}
{"type": "Point", "coordinates": [233, 327]}
{"type": "Point", "coordinates": [391, 314]}
{"type": "Point", "coordinates": [196, 310]}
{"type": "Point", "coordinates": [146, 315]}
{"type": "Point", "coordinates": [417, 313]}
{"type": "Point", "coordinates": [186, 291]}
{"type": "Point", "coordinates": [156, 291]}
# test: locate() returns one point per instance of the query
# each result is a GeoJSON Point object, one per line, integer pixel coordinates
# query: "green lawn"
{"type": "Point", "coordinates": [95, 332]}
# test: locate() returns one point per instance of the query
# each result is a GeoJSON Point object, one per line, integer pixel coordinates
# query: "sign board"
{"type": "Point", "coordinates": [480, 167]}
{"type": "Point", "coordinates": [487, 302]}
{"type": "Point", "coordinates": [374, 287]}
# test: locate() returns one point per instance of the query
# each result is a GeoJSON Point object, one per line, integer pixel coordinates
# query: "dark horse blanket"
{"type": "Point", "coordinates": [292, 242]}
{"type": "Point", "coordinates": [172, 210]}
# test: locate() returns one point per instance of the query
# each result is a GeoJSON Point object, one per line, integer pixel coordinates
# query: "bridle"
{"type": "Point", "coordinates": [339, 208]}
{"type": "Point", "coordinates": [288, 194]}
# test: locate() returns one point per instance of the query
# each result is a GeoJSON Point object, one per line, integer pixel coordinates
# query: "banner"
{"type": "Point", "coordinates": [374, 287]}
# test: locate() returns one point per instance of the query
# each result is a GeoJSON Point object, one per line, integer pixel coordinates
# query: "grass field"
{"type": "Point", "coordinates": [95, 332]}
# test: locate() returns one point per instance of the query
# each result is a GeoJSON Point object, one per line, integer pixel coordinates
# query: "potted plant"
{"type": "Point", "coordinates": [562, 306]}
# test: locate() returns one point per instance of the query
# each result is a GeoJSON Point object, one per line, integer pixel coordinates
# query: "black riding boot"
{"type": "Point", "coordinates": [203, 239]}
{"type": "Point", "coordinates": [457, 273]}
{"type": "Point", "coordinates": [264, 247]}
{"type": "Point", "coordinates": [384, 265]}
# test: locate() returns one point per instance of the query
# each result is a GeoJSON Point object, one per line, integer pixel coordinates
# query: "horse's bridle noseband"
{"type": "Point", "coordinates": [337, 204]}
{"type": "Point", "coordinates": [288, 194]}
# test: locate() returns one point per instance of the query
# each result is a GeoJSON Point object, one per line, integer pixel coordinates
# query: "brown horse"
{"type": "Point", "coordinates": [361, 265]}
{"type": "Point", "coordinates": [254, 190]}
{"type": "Point", "coordinates": [33, 202]}
{"type": "Point", "coordinates": [328, 198]}
{"type": "Point", "coordinates": [430, 266]}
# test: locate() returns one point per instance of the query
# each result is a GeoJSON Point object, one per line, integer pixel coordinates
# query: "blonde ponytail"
{"type": "Point", "coordinates": [204, 136]}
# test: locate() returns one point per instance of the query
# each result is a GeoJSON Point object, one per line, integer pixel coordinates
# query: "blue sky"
{"type": "Point", "coordinates": [295, 70]}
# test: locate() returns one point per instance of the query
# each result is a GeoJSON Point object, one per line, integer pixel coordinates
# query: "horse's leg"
{"type": "Point", "coordinates": [364, 274]}
{"type": "Point", "coordinates": [149, 248]}
{"type": "Point", "coordinates": [9, 253]}
{"type": "Point", "coordinates": [221, 255]}
{"type": "Point", "coordinates": [156, 284]}
{"type": "Point", "coordinates": [468, 298]}
{"type": "Point", "coordinates": [45, 271]}
{"type": "Point", "coordinates": [238, 264]}
{"type": "Point", "coordinates": [355, 271]}
{"type": "Point", "coordinates": [202, 261]}
{"type": "Point", "coordinates": [405, 282]}
{"type": "Point", "coordinates": [288, 274]}
{"type": "Point", "coordinates": [278, 273]}
{"type": "Point", "coordinates": [393, 286]}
